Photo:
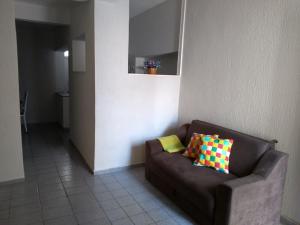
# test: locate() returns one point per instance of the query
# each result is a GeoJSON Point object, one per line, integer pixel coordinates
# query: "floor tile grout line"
{"type": "Point", "coordinates": [67, 196]}
{"type": "Point", "coordinates": [144, 211]}
{"type": "Point", "coordinates": [124, 182]}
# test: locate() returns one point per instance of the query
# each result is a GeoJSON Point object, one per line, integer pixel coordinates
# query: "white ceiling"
{"type": "Point", "coordinates": [136, 6]}
{"type": "Point", "coordinates": [139, 6]}
{"type": "Point", "coordinates": [48, 2]}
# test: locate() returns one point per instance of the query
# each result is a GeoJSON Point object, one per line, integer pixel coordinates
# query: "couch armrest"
{"type": "Point", "coordinates": [182, 132]}
{"type": "Point", "coordinates": [254, 199]}
{"type": "Point", "coordinates": [154, 146]}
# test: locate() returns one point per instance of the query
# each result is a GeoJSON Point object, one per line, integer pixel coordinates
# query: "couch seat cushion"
{"type": "Point", "coordinates": [197, 184]}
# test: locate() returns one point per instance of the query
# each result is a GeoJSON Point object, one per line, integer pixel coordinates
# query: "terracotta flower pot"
{"type": "Point", "coordinates": [152, 71]}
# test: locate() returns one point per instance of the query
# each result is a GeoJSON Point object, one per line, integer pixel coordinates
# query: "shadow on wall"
{"type": "Point", "coordinates": [138, 149]}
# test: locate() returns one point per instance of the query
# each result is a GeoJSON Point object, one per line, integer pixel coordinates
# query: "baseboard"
{"type": "Point", "coordinates": [112, 170]}
{"type": "Point", "coordinates": [83, 159]}
{"type": "Point", "coordinates": [286, 221]}
{"type": "Point", "coordinates": [15, 181]}
{"type": "Point", "coordinates": [118, 169]}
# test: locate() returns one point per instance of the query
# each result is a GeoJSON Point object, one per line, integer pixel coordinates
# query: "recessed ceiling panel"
{"type": "Point", "coordinates": [47, 2]}
{"type": "Point", "coordinates": [139, 6]}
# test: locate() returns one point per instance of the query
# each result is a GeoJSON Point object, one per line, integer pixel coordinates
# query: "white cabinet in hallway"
{"type": "Point", "coordinates": [63, 106]}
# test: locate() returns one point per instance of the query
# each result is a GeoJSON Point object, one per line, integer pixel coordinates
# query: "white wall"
{"type": "Point", "coordinates": [156, 31]}
{"type": "Point", "coordinates": [61, 73]}
{"type": "Point", "coordinates": [40, 13]}
{"type": "Point", "coordinates": [11, 162]}
{"type": "Point", "coordinates": [129, 108]}
{"type": "Point", "coordinates": [241, 70]}
{"type": "Point", "coordinates": [82, 85]}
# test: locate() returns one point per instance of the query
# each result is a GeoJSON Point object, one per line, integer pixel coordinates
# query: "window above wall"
{"type": "Point", "coordinates": [155, 36]}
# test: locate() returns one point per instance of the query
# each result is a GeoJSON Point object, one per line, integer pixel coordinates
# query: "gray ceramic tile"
{"type": "Point", "coordinates": [107, 179]}
{"type": "Point", "coordinates": [4, 205]}
{"type": "Point", "coordinates": [150, 205]}
{"type": "Point", "coordinates": [98, 188]}
{"type": "Point", "coordinates": [77, 190]}
{"type": "Point", "coordinates": [4, 214]}
{"type": "Point", "coordinates": [51, 213]}
{"type": "Point", "coordinates": [49, 180]}
{"type": "Point", "coordinates": [119, 193]}
{"type": "Point", "coordinates": [127, 200]}
{"type": "Point", "coordinates": [59, 190]}
{"type": "Point", "coordinates": [158, 215]}
{"type": "Point", "coordinates": [25, 209]}
{"type": "Point", "coordinates": [4, 221]}
{"type": "Point", "coordinates": [109, 204]}
{"type": "Point", "coordinates": [6, 189]}
{"type": "Point", "coordinates": [116, 214]}
{"type": "Point", "coordinates": [133, 209]}
{"type": "Point", "coordinates": [52, 195]}
{"type": "Point", "coordinates": [5, 196]}
{"type": "Point", "coordinates": [46, 188]}
{"type": "Point", "coordinates": [73, 183]}
{"type": "Point", "coordinates": [125, 221]}
{"type": "Point", "coordinates": [143, 197]}
{"type": "Point", "coordinates": [142, 219]}
{"type": "Point", "coordinates": [102, 221]}
{"type": "Point", "coordinates": [113, 186]}
{"type": "Point", "coordinates": [135, 190]}
{"type": "Point", "coordinates": [90, 216]}
{"type": "Point", "coordinates": [24, 201]}
{"type": "Point", "coordinates": [103, 196]}
{"type": "Point", "coordinates": [38, 223]}
{"type": "Point", "coordinates": [167, 222]}
{"type": "Point", "coordinates": [67, 220]}
{"type": "Point", "coordinates": [56, 202]}
{"type": "Point", "coordinates": [83, 202]}
{"type": "Point", "coordinates": [26, 219]}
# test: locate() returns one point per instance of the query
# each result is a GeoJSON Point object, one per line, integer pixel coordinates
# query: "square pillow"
{"type": "Point", "coordinates": [215, 153]}
{"type": "Point", "coordinates": [193, 149]}
{"type": "Point", "coordinates": [171, 144]}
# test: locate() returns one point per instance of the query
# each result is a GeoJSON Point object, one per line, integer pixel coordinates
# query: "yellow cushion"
{"type": "Point", "coordinates": [171, 144]}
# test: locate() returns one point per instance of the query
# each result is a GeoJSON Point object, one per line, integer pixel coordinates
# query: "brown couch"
{"type": "Point", "coordinates": [250, 195]}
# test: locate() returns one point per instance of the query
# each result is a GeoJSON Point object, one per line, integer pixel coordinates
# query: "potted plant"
{"type": "Point", "coordinates": [152, 65]}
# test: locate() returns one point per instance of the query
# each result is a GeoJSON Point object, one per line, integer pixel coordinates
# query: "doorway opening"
{"type": "Point", "coordinates": [43, 60]}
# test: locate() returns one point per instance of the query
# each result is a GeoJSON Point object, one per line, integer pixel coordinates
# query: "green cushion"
{"type": "Point", "coordinates": [171, 144]}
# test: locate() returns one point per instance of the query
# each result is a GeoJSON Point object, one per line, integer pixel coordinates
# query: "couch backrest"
{"type": "Point", "coordinates": [246, 150]}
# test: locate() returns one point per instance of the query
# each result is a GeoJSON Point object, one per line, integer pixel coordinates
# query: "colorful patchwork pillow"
{"type": "Point", "coordinates": [193, 149]}
{"type": "Point", "coordinates": [215, 153]}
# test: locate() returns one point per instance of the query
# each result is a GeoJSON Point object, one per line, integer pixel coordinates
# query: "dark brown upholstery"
{"type": "Point", "coordinates": [246, 150]}
{"type": "Point", "coordinates": [200, 181]}
{"type": "Point", "coordinates": [213, 198]}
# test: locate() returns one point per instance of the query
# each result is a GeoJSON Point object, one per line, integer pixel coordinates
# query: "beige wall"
{"type": "Point", "coordinates": [241, 69]}
{"type": "Point", "coordinates": [11, 162]}
{"type": "Point", "coordinates": [82, 85]}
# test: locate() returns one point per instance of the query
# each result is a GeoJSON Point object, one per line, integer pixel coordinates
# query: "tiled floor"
{"type": "Point", "coordinates": [59, 190]}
